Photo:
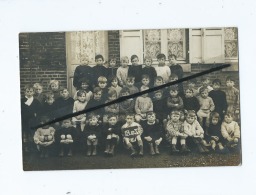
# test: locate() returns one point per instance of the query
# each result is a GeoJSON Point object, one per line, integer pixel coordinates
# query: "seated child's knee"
{"type": "Point", "coordinates": [137, 118]}
{"type": "Point", "coordinates": [50, 138]}
{"type": "Point", "coordinates": [236, 140]}
{"type": "Point", "coordinates": [41, 138]}
{"type": "Point", "coordinates": [63, 137]}
{"type": "Point", "coordinates": [69, 137]}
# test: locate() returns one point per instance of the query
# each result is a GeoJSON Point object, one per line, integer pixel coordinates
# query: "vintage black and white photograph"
{"type": "Point", "coordinates": [188, 115]}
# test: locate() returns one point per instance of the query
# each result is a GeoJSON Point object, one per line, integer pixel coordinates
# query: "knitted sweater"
{"type": "Point", "coordinates": [164, 72]}
{"type": "Point", "coordinates": [206, 104]}
{"type": "Point", "coordinates": [193, 129]}
{"type": "Point", "coordinates": [230, 130]}
{"type": "Point", "coordinates": [143, 105]}
{"type": "Point", "coordinates": [43, 132]}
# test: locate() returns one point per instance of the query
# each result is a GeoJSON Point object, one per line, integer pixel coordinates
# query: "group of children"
{"type": "Point", "coordinates": [205, 117]}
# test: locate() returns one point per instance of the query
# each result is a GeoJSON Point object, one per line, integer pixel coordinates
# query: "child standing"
{"type": "Point", "coordinates": [195, 132]}
{"type": "Point", "coordinates": [111, 134]}
{"type": "Point", "coordinates": [114, 85]}
{"type": "Point", "coordinates": [54, 88]}
{"type": "Point", "coordinates": [83, 71]}
{"type": "Point", "coordinates": [149, 70]}
{"type": "Point", "coordinates": [162, 70]}
{"type": "Point", "coordinates": [99, 69]}
{"type": "Point", "coordinates": [131, 132]}
{"type": "Point", "coordinates": [143, 104]}
{"type": "Point", "coordinates": [218, 97]}
{"type": "Point", "coordinates": [92, 134]}
{"type": "Point", "coordinates": [112, 69]}
{"type": "Point", "coordinates": [44, 137]}
{"type": "Point", "coordinates": [152, 133]}
{"type": "Point", "coordinates": [175, 130]}
{"type": "Point", "coordinates": [39, 95]}
{"type": "Point", "coordinates": [122, 71]}
{"type": "Point", "coordinates": [66, 137]}
{"type": "Point", "coordinates": [206, 106]}
{"type": "Point", "coordinates": [135, 69]}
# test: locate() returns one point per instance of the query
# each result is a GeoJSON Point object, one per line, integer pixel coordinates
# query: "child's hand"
{"type": "Point", "coordinates": [230, 139]}
{"type": "Point", "coordinates": [157, 142]}
{"type": "Point", "coordinates": [79, 117]}
{"type": "Point", "coordinates": [109, 137]}
{"type": "Point", "coordinates": [236, 140]}
{"type": "Point", "coordinates": [237, 111]}
{"type": "Point", "coordinates": [114, 135]}
{"type": "Point", "coordinates": [148, 138]}
{"type": "Point", "coordinates": [90, 137]}
{"type": "Point", "coordinates": [215, 138]}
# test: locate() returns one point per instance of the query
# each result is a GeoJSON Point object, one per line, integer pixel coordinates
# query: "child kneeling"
{"type": "Point", "coordinates": [131, 132]}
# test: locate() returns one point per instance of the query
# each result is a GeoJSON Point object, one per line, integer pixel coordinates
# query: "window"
{"type": "Point", "coordinates": [231, 44]}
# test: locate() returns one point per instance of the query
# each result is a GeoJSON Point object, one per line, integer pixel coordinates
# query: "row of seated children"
{"type": "Point", "coordinates": [135, 135]}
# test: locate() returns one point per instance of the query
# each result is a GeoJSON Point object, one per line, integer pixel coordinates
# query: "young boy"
{"type": "Point", "coordinates": [44, 137]}
{"type": "Point", "coordinates": [98, 70]}
{"type": "Point", "coordinates": [152, 133]}
{"type": "Point", "coordinates": [30, 108]}
{"type": "Point", "coordinates": [230, 131]}
{"type": "Point", "coordinates": [162, 70]}
{"type": "Point", "coordinates": [194, 131]}
{"type": "Point", "coordinates": [232, 96]}
{"type": "Point", "coordinates": [54, 87]}
{"type": "Point", "coordinates": [175, 130]}
{"type": "Point", "coordinates": [66, 137]}
{"type": "Point", "coordinates": [126, 106]}
{"type": "Point", "coordinates": [113, 108]}
{"type": "Point", "coordinates": [145, 80]}
{"type": "Point", "coordinates": [49, 108]}
{"type": "Point", "coordinates": [174, 101]}
{"type": "Point", "coordinates": [205, 83]}
{"type": "Point", "coordinates": [159, 105]}
{"type": "Point", "coordinates": [111, 134]}
{"type": "Point", "coordinates": [39, 95]}
{"type": "Point", "coordinates": [114, 85]}
{"type": "Point", "coordinates": [131, 132]}
{"type": "Point", "coordinates": [130, 84]}
{"type": "Point", "coordinates": [192, 85]}
{"type": "Point", "coordinates": [83, 84]}
{"type": "Point", "coordinates": [149, 70]}
{"type": "Point", "coordinates": [122, 71]}
{"type": "Point", "coordinates": [176, 69]}
{"type": "Point", "coordinates": [112, 69]}
{"type": "Point", "coordinates": [218, 97]}
{"type": "Point", "coordinates": [135, 69]}
{"type": "Point", "coordinates": [82, 71]}
{"type": "Point", "coordinates": [102, 84]}
{"type": "Point", "coordinates": [143, 104]}
{"type": "Point", "coordinates": [92, 134]}
{"type": "Point", "coordinates": [190, 101]}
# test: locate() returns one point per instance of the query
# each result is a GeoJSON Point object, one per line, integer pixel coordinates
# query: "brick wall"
{"type": "Point", "coordinates": [42, 58]}
{"type": "Point", "coordinates": [114, 45]}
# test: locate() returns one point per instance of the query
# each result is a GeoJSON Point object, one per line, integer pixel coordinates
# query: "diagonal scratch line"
{"type": "Point", "coordinates": [120, 99]}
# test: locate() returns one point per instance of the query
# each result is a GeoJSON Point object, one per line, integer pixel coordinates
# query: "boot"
{"type": "Point", "coordinates": [133, 151]}
{"type": "Point", "coordinates": [94, 151]}
{"type": "Point", "coordinates": [157, 149]}
{"type": "Point", "coordinates": [89, 150]}
{"type": "Point", "coordinates": [111, 151]}
{"type": "Point", "coordinates": [107, 150]}
{"type": "Point", "coordinates": [70, 153]}
{"type": "Point", "coordinates": [184, 148]}
{"type": "Point", "coordinates": [205, 149]}
{"type": "Point", "coordinates": [174, 149]}
{"type": "Point", "coordinates": [151, 149]}
{"type": "Point", "coordinates": [141, 148]}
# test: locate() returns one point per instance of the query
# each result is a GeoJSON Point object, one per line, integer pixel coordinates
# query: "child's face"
{"type": "Point", "coordinates": [111, 98]}
{"type": "Point", "coordinates": [114, 83]}
{"type": "Point", "coordinates": [158, 82]}
{"type": "Point", "coordinates": [50, 101]}
{"type": "Point", "coordinates": [125, 63]}
{"type": "Point", "coordinates": [97, 96]}
{"type": "Point", "coordinates": [175, 117]}
{"type": "Point", "coordinates": [173, 93]}
{"type": "Point", "coordinates": [84, 85]}
{"type": "Point", "coordinates": [130, 82]}
{"type": "Point", "coordinates": [188, 93]}
{"type": "Point", "coordinates": [230, 83]}
{"type": "Point", "coordinates": [112, 120]}
{"type": "Point", "coordinates": [99, 61]}
{"type": "Point", "coordinates": [145, 81]}
{"type": "Point", "coordinates": [66, 123]}
{"type": "Point", "coordinates": [161, 61]}
{"type": "Point", "coordinates": [204, 94]}
{"type": "Point", "coordinates": [148, 62]}
{"type": "Point", "coordinates": [191, 85]}
{"type": "Point", "coordinates": [85, 61]}
{"type": "Point", "coordinates": [129, 119]}
{"type": "Point", "coordinates": [102, 85]}
{"type": "Point", "coordinates": [205, 82]}
{"type": "Point", "coordinates": [158, 95]}
{"type": "Point", "coordinates": [135, 61]}
{"type": "Point", "coordinates": [93, 121]}
{"type": "Point", "coordinates": [172, 60]}
{"type": "Point", "coordinates": [39, 90]}
{"type": "Point", "coordinates": [228, 119]}
{"type": "Point", "coordinates": [145, 95]}
{"type": "Point", "coordinates": [54, 87]}
{"type": "Point", "coordinates": [64, 94]}
{"type": "Point", "coordinates": [151, 118]}
{"type": "Point", "coordinates": [190, 119]}
{"type": "Point", "coordinates": [82, 97]}
{"type": "Point", "coordinates": [215, 121]}
{"type": "Point", "coordinates": [29, 92]}
{"type": "Point", "coordinates": [112, 63]}
{"type": "Point", "coordinates": [216, 86]}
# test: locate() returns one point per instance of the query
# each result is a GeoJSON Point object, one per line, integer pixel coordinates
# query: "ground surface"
{"type": "Point", "coordinates": [32, 162]}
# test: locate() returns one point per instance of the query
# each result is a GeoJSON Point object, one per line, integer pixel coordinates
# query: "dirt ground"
{"type": "Point", "coordinates": [122, 159]}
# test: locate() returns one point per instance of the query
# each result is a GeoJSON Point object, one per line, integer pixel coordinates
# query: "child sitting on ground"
{"type": "Point", "coordinates": [66, 137]}
{"type": "Point", "coordinates": [111, 134]}
{"type": "Point", "coordinates": [143, 104]}
{"type": "Point", "coordinates": [39, 95]}
{"type": "Point", "coordinates": [175, 130]}
{"type": "Point", "coordinates": [195, 132]}
{"type": "Point", "coordinates": [122, 71]}
{"type": "Point", "coordinates": [44, 137]}
{"type": "Point", "coordinates": [92, 134]}
{"type": "Point", "coordinates": [131, 132]}
{"type": "Point", "coordinates": [152, 133]}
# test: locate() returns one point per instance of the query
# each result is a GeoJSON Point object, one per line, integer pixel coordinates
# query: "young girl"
{"type": "Point", "coordinates": [114, 85]}
{"type": "Point", "coordinates": [92, 134]}
{"type": "Point", "coordinates": [54, 88]}
{"type": "Point", "coordinates": [80, 105]}
{"type": "Point", "coordinates": [102, 84]}
{"type": "Point", "coordinates": [44, 137]}
{"type": "Point", "coordinates": [83, 84]}
{"type": "Point", "coordinates": [113, 108]}
{"type": "Point", "coordinates": [39, 95]}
